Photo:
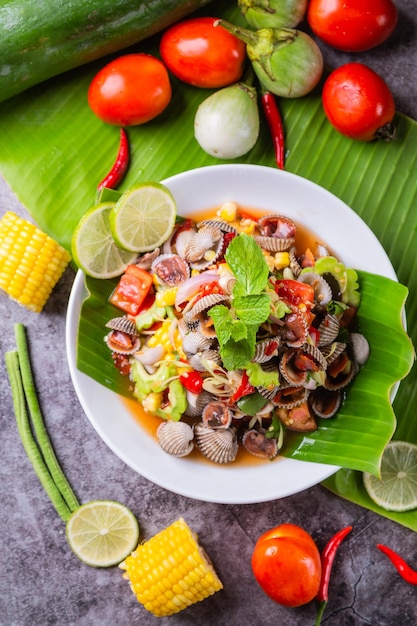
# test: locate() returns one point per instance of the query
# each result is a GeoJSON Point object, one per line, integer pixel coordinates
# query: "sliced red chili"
{"type": "Point", "coordinates": [276, 127]}
{"type": "Point", "coordinates": [327, 559]}
{"type": "Point", "coordinates": [118, 170]}
{"type": "Point", "coordinates": [244, 389]}
{"type": "Point", "coordinates": [406, 572]}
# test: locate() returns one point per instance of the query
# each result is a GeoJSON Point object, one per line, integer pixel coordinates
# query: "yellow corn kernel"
{"type": "Point", "coordinates": [247, 226]}
{"type": "Point", "coordinates": [170, 341]}
{"type": "Point", "coordinates": [281, 260]}
{"type": "Point", "coordinates": [170, 571]}
{"type": "Point", "coordinates": [31, 263]}
{"type": "Point", "coordinates": [152, 402]}
{"type": "Point", "coordinates": [228, 211]}
{"type": "Point", "coordinates": [269, 260]}
{"type": "Point", "coordinates": [166, 297]}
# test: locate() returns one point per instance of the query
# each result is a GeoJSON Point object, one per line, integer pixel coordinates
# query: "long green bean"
{"type": "Point", "coordinates": [26, 435]}
{"type": "Point", "coordinates": [42, 436]}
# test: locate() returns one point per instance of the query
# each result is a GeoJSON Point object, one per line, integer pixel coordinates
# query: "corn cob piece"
{"type": "Point", "coordinates": [170, 571]}
{"type": "Point", "coordinates": [31, 263]}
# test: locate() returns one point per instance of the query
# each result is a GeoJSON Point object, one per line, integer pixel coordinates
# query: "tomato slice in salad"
{"type": "Point", "coordinates": [133, 289]}
{"type": "Point", "coordinates": [294, 292]}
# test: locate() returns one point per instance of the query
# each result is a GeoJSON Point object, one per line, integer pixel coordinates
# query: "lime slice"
{"type": "Point", "coordinates": [144, 217]}
{"type": "Point", "coordinates": [102, 533]}
{"type": "Point", "coordinates": [93, 247]}
{"type": "Point", "coordinates": [397, 489]}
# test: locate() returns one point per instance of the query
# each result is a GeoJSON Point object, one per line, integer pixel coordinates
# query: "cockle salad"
{"type": "Point", "coordinates": [232, 335]}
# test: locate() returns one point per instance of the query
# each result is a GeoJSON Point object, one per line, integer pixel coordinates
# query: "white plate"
{"type": "Point", "coordinates": [273, 191]}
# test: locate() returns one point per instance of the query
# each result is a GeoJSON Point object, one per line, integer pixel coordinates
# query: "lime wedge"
{"type": "Point", "coordinates": [93, 247]}
{"type": "Point", "coordinates": [397, 489]}
{"type": "Point", "coordinates": [144, 217]}
{"type": "Point", "coordinates": [102, 533]}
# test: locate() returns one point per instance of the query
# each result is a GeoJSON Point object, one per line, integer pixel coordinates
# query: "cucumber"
{"type": "Point", "coordinates": [43, 38]}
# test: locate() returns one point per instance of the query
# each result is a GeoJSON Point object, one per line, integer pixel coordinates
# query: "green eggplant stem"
{"type": "Point", "coordinates": [254, 37]}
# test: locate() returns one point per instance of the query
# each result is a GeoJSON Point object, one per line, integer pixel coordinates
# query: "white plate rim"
{"type": "Point", "coordinates": [124, 436]}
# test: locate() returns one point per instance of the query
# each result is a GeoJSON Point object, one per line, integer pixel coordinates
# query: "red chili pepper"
{"type": "Point", "coordinates": [245, 388]}
{"type": "Point", "coordinates": [327, 558]}
{"type": "Point", "coordinates": [121, 163]}
{"type": "Point", "coordinates": [406, 572]}
{"type": "Point", "coordinates": [192, 381]}
{"type": "Point", "coordinates": [276, 127]}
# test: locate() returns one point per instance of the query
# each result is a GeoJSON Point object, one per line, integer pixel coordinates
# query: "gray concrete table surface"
{"type": "Point", "coordinates": [42, 583]}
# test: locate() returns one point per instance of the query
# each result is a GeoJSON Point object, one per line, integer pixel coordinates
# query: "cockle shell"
{"type": "Point", "coordinates": [328, 329]}
{"type": "Point", "coordinates": [322, 290]}
{"type": "Point", "coordinates": [266, 349]}
{"type": "Point", "coordinates": [295, 267]}
{"type": "Point", "coordinates": [274, 244]}
{"type": "Point", "coordinates": [171, 269]}
{"type": "Point", "coordinates": [175, 438]}
{"type": "Point", "coordinates": [325, 403]}
{"type": "Point", "coordinates": [361, 348]}
{"type": "Point", "coordinates": [196, 403]}
{"type": "Point", "coordinates": [219, 446]}
{"type": "Point", "coordinates": [273, 225]}
{"type": "Point", "coordinates": [258, 444]}
{"type": "Point", "coordinates": [296, 363]}
{"type": "Point", "coordinates": [224, 226]}
{"type": "Point", "coordinates": [340, 372]}
{"type": "Point", "coordinates": [216, 415]}
{"type": "Point", "coordinates": [123, 337]}
{"type": "Point", "coordinates": [289, 396]}
{"type": "Point", "coordinates": [197, 360]}
{"type": "Point", "coordinates": [205, 303]}
{"type": "Point", "coordinates": [193, 342]}
{"type": "Point", "coordinates": [124, 324]}
{"type": "Point", "coordinates": [204, 248]}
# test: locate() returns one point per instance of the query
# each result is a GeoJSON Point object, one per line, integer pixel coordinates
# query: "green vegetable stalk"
{"type": "Point", "coordinates": [287, 62]}
{"type": "Point", "coordinates": [38, 447]}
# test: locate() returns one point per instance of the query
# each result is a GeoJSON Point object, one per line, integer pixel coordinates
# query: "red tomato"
{"type": "Point", "coordinates": [130, 90]}
{"type": "Point", "coordinates": [358, 103]}
{"type": "Point", "coordinates": [201, 54]}
{"type": "Point", "coordinates": [286, 563]}
{"type": "Point", "coordinates": [295, 292]}
{"type": "Point", "coordinates": [352, 25]}
{"type": "Point", "coordinates": [132, 290]}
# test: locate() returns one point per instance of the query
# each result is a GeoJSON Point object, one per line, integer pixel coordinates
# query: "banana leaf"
{"type": "Point", "coordinates": [55, 151]}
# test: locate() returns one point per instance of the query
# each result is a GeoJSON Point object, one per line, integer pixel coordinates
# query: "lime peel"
{"type": "Point", "coordinates": [102, 533]}
{"type": "Point", "coordinates": [144, 217]}
{"type": "Point", "coordinates": [93, 248]}
{"type": "Point", "coordinates": [396, 489]}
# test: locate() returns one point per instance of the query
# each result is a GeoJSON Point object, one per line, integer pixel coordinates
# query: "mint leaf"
{"type": "Point", "coordinates": [252, 309]}
{"type": "Point", "coordinates": [248, 264]}
{"type": "Point", "coordinates": [236, 354]}
{"type": "Point", "coordinates": [238, 330]}
{"type": "Point", "coordinates": [222, 320]}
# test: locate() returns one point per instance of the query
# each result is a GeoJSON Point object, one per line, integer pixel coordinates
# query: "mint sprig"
{"type": "Point", "coordinates": [236, 327]}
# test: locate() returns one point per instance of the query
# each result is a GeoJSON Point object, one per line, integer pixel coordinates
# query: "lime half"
{"type": "Point", "coordinates": [93, 247]}
{"type": "Point", "coordinates": [397, 488]}
{"type": "Point", "coordinates": [144, 217]}
{"type": "Point", "coordinates": [102, 533]}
